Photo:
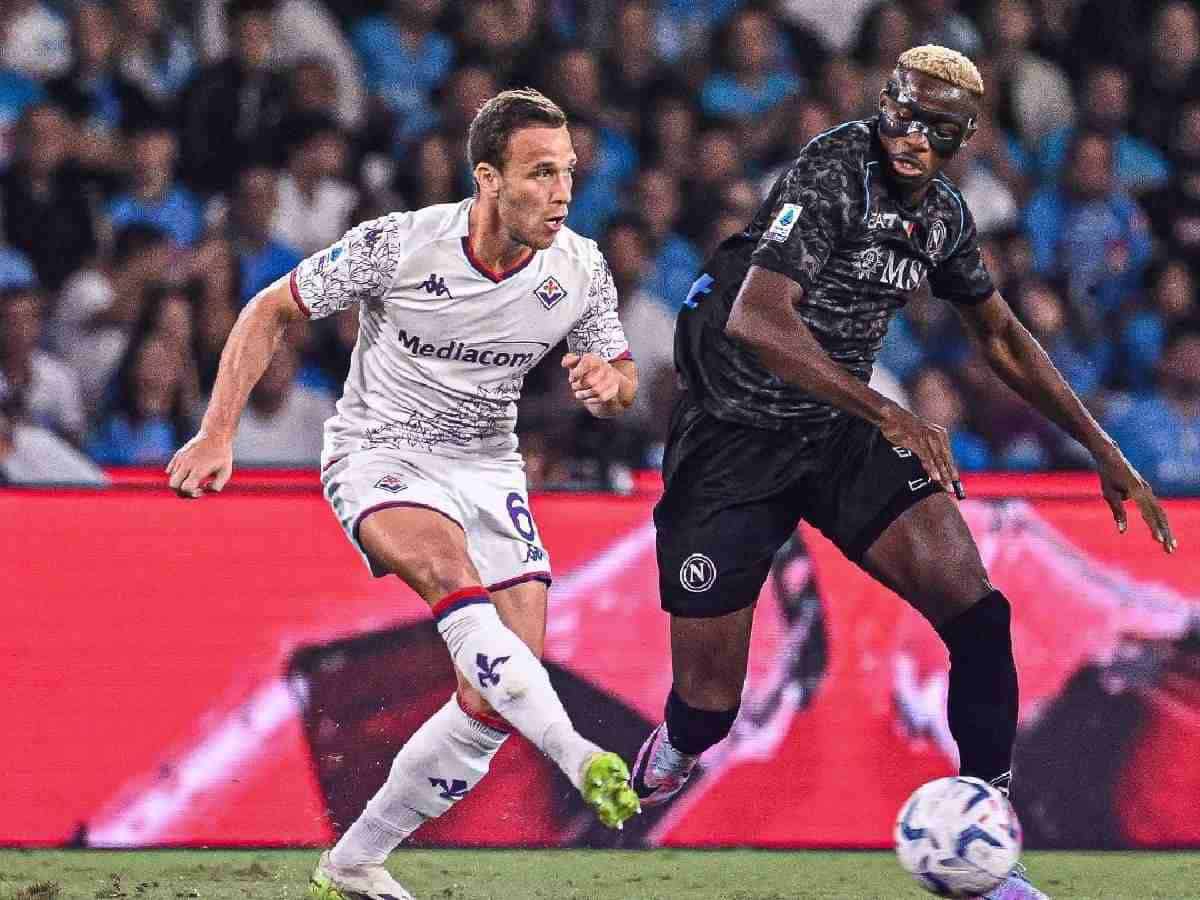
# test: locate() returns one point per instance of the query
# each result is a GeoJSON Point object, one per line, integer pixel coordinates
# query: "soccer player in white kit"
{"type": "Point", "coordinates": [457, 303]}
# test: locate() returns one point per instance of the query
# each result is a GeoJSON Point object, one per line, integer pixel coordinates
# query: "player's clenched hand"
{"type": "Point", "coordinates": [592, 379]}
{"type": "Point", "coordinates": [930, 442]}
{"type": "Point", "coordinates": [202, 464]}
{"type": "Point", "coordinates": [1120, 481]}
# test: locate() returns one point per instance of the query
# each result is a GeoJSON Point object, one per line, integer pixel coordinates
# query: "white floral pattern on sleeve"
{"type": "Point", "coordinates": [361, 266]}
{"type": "Point", "coordinates": [599, 330]}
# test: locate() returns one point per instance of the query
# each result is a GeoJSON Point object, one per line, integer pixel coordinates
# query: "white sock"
{"type": "Point", "coordinates": [443, 760]}
{"type": "Point", "coordinates": [513, 681]}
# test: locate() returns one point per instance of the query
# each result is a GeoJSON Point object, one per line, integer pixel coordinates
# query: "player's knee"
{"type": "Point", "coordinates": [432, 578]}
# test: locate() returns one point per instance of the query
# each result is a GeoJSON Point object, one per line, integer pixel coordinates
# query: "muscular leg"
{"type": "Point", "coordinates": [523, 609]}
{"type": "Point", "coordinates": [708, 658]}
{"type": "Point", "coordinates": [495, 643]}
{"type": "Point", "coordinates": [929, 558]}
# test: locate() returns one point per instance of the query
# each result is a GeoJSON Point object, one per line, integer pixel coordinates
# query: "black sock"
{"type": "Point", "coordinates": [691, 730]}
{"type": "Point", "coordinates": [983, 687]}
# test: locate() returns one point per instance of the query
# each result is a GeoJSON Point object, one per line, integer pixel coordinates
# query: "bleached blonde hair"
{"type": "Point", "coordinates": [944, 64]}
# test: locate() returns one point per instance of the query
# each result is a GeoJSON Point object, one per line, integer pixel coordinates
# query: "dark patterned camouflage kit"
{"type": "Point", "coordinates": [832, 224]}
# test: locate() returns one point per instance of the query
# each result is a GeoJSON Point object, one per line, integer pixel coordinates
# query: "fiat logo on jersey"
{"type": "Point", "coordinates": [697, 573]}
{"type": "Point", "coordinates": [549, 292]}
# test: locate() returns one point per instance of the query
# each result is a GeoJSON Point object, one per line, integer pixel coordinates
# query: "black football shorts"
{"type": "Point", "coordinates": [733, 494]}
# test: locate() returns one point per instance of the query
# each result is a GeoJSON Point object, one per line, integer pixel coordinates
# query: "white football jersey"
{"type": "Point", "coordinates": [444, 344]}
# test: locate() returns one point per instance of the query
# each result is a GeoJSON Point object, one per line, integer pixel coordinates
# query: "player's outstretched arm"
{"type": "Point", "coordinates": [764, 320]}
{"type": "Point", "coordinates": [205, 463]}
{"type": "Point", "coordinates": [605, 388]}
{"type": "Point", "coordinates": [1016, 356]}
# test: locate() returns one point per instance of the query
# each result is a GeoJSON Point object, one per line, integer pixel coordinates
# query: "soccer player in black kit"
{"type": "Point", "coordinates": [775, 346]}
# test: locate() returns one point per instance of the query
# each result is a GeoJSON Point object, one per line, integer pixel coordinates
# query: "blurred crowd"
{"type": "Point", "coordinates": [160, 162]}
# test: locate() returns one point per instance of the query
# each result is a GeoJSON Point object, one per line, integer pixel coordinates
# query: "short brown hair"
{"type": "Point", "coordinates": [508, 111]}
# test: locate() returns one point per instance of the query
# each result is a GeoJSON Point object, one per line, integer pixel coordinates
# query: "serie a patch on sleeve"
{"type": "Point", "coordinates": [784, 222]}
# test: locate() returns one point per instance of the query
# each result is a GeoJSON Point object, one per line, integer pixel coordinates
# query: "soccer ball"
{"type": "Point", "coordinates": [959, 837]}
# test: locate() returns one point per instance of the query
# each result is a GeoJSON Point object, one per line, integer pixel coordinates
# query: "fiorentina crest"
{"type": "Point", "coordinates": [549, 292]}
{"type": "Point", "coordinates": [392, 483]}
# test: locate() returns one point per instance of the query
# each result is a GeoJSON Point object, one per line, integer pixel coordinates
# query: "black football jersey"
{"type": "Point", "coordinates": [833, 224]}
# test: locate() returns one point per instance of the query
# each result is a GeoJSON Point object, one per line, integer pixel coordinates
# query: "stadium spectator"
{"type": "Point", "coordinates": [404, 59]}
{"type": "Point", "coordinates": [31, 455]}
{"type": "Point", "coordinates": [48, 387]}
{"type": "Point", "coordinates": [936, 397]}
{"type": "Point", "coordinates": [942, 22]}
{"type": "Point", "coordinates": [314, 201]}
{"type": "Point", "coordinates": [633, 75]}
{"type": "Point", "coordinates": [17, 92]}
{"type": "Point", "coordinates": [231, 110]}
{"type": "Point", "coordinates": [844, 87]}
{"type": "Point", "coordinates": [214, 270]}
{"type": "Point", "coordinates": [153, 194]}
{"type": "Point", "coordinates": [300, 30]}
{"type": "Point", "coordinates": [467, 89]}
{"type": "Point", "coordinates": [33, 39]}
{"type": "Point", "coordinates": [649, 326]}
{"type": "Point", "coordinates": [925, 332]}
{"type": "Point", "coordinates": [1175, 209]}
{"type": "Point", "coordinates": [989, 179]}
{"type": "Point", "coordinates": [283, 421]}
{"type": "Point", "coordinates": [433, 176]}
{"type": "Point", "coordinates": [1088, 231]}
{"type": "Point", "coordinates": [46, 205]}
{"type": "Point", "coordinates": [1102, 31]}
{"type": "Point", "coordinates": [751, 92]}
{"type": "Point", "coordinates": [261, 258]}
{"type": "Point", "coordinates": [1171, 308]}
{"type": "Point", "coordinates": [156, 54]}
{"type": "Point", "coordinates": [312, 89]}
{"type": "Point", "coordinates": [154, 395]}
{"type": "Point", "coordinates": [1032, 94]}
{"type": "Point", "coordinates": [1160, 432]}
{"type": "Point", "coordinates": [509, 38]}
{"type": "Point", "coordinates": [1106, 108]}
{"type": "Point", "coordinates": [146, 420]}
{"type": "Point", "coordinates": [99, 305]}
{"type": "Point", "coordinates": [670, 135]}
{"type": "Point", "coordinates": [674, 260]}
{"type": "Point", "coordinates": [1083, 363]}
{"type": "Point", "coordinates": [574, 75]}
{"type": "Point", "coordinates": [835, 22]}
{"type": "Point", "coordinates": [718, 159]}
{"type": "Point", "coordinates": [593, 202]}
{"type": "Point", "coordinates": [884, 32]}
{"type": "Point", "coordinates": [101, 101]}
{"type": "Point", "coordinates": [1171, 75]}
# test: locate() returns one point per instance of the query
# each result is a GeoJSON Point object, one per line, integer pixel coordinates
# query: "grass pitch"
{"type": "Point", "coordinates": [568, 875]}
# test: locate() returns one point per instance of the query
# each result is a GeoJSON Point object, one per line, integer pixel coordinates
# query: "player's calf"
{"type": "Point", "coordinates": [507, 674]}
{"type": "Point", "coordinates": [436, 768]}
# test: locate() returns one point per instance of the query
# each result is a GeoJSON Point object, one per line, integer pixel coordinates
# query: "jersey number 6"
{"type": "Point", "coordinates": [522, 518]}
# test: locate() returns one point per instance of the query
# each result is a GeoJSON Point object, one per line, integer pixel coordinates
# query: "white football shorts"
{"type": "Point", "coordinates": [487, 498]}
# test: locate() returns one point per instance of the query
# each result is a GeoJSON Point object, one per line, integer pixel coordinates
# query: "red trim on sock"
{"type": "Point", "coordinates": [442, 606]}
{"type": "Point", "coordinates": [491, 720]}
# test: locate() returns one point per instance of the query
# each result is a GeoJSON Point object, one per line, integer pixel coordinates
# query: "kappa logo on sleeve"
{"type": "Point", "coordinates": [784, 222]}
